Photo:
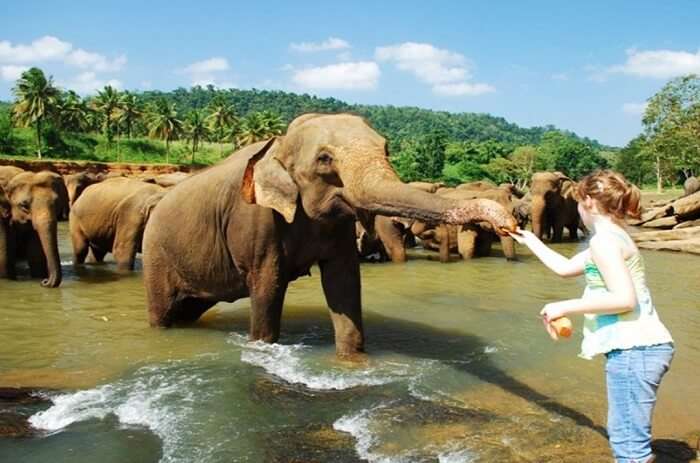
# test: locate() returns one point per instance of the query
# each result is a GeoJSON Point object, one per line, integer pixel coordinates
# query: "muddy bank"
{"type": "Point", "coordinates": [119, 168]}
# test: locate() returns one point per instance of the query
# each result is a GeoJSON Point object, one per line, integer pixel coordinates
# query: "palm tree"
{"type": "Point", "coordinates": [106, 103]}
{"type": "Point", "coordinates": [220, 120]}
{"type": "Point", "coordinates": [162, 123]}
{"type": "Point", "coordinates": [129, 111]}
{"type": "Point", "coordinates": [196, 128]}
{"type": "Point", "coordinates": [72, 112]}
{"type": "Point", "coordinates": [36, 100]}
{"type": "Point", "coordinates": [259, 126]}
{"type": "Point", "coordinates": [272, 122]}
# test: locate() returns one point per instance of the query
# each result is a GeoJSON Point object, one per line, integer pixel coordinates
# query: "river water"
{"type": "Point", "coordinates": [459, 369]}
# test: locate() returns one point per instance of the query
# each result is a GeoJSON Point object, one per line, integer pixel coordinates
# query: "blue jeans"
{"type": "Point", "coordinates": [633, 377]}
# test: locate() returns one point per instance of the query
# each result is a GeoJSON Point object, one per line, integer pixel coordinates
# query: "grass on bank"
{"type": "Point", "coordinates": [94, 147]}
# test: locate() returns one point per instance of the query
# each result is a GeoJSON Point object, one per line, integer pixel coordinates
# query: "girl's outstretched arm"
{"type": "Point", "coordinates": [562, 266]}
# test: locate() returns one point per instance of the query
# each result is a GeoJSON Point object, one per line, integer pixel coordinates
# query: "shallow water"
{"type": "Point", "coordinates": [459, 369]}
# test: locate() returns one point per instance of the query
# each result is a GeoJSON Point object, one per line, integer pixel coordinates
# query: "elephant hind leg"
{"type": "Point", "coordinates": [126, 242]}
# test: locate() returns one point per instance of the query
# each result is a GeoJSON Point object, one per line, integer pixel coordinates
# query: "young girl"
{"type": "Point", "coordinates": [620, 320]}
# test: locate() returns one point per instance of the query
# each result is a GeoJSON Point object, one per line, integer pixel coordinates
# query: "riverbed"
{"type": "Point", "coordinates": [459, 369]}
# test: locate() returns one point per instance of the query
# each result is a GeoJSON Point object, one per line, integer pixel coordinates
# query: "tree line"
{"type": "Point", "coordinates": [50, 112]}
{"type": "Point", "coordinates": [424, 144]}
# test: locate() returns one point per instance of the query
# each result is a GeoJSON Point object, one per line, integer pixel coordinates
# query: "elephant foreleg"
{"type": "Point", "coordinates": [36, 259]}
{"type": "Point", "coordinates": [340, 277]}
{"type": "Point", "coordinates": [443, 237]}
{"type": "Point", "coordinates": [466, 243]}
{"type": "Point", "coordinates": [267, 287]}
{"type": "Point", "coordinates": [508, 246]}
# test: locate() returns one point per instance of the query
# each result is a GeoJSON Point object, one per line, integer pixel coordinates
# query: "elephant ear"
{"type": "Point", "coordinates": [267, 183]}
{"type": "Point", "coordinates": [150, 204]}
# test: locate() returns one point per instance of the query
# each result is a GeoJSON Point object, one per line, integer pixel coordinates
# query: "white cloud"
{"type": "Point", "coordinates": [42, 49]}
{"type": "Point", "coordinates": [332, 43]}
{"type": "Point", "coordinates": [88, 60]}
{"type": "Point", "coordinates": [207, 66]}
{"type": "Point", "coordinates": [88, 83]}
{"type": "Point", "coordinates": [49, 48]}
{"type": "Point", "coordinates": [463, 89]}
{"type": "Point", "coordinates": [208, 72]}
{"type": "Point", "coordinates": [634, 109]}
{"type": "Point", "coordinates": [428, 63]}
{"type": "Point", "coordinates": [446, 71]}
{"type": "Point", "coordinates": [560, 76]}
{"type": "Point", "coordinates": [361, 75]}
{"type": "Point", "coordinates": [659, 64]}
{"type": "Point", "coordinates": [12, 72]}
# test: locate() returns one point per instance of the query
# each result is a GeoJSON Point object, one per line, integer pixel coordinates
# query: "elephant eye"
{"type": "Point", "coordinates": [324, 158]}
{"type": "Point", "coordinates": [25, 205]}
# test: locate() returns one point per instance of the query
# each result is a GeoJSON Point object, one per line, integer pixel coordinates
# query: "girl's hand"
{"type": "Point", "coordinates": [549, 313]}
{"type": "Point", "coordinates": [523, 236]}
{"type": "Point", "coordinates": [552, 311]}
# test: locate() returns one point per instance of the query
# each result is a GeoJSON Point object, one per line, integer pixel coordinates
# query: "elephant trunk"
{"type": "Point", "coordinates": [380, 191]}
{"type": "Point", "coordinates": [538, 210]}
{"type": "Point", "coordinates": [49, 244]}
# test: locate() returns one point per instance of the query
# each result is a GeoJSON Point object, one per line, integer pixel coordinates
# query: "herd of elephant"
{"type": "Point", "coordinates": [324, 193]}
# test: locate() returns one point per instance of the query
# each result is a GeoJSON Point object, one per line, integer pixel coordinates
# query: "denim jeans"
{"type": "Point", "coordinates": [633, 377]}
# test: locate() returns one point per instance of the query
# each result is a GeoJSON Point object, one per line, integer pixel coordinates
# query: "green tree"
{"type": "Point", "coordinates": [672, 128]}
{"type": "Point", "coordinates": [516, 168]}
{"type": "Point", "coordinates": [430, 154]}
{"type": "Point", "coordinates": [259, 126]}
{"type": "Point", "coordinates": [559, 151]}
{"type": "Point", "coordinates": [221, 119]}
{"type": "Point", "coordinates": [196, 129]}
{"type": "Point", "coordinates": [6, 138]}
{"type": "Point", "coordinates": [162, 123]}
{"type": "Point", "coordinates": [36, 99]}
{"type": "Point", "coordinates": [107, 105]}
{"type": "Point", "coordinates": [128, 111]}
{"type": "Point", "coordinates": [72, 112]}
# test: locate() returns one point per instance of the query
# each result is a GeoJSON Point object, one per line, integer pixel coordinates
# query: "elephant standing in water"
{"type": "Point", "coordinates": [691, 185]}
{"type": "Point", "coordinates": [553, 206]}
{"type": "Point", "coordinates": [35, 199]}
{"type": "Point", "coordinates": [110, 217]}
{"type": "Point", "coordinates": [77, 183]}
{"type": "Point", "coordinates": [249, 225]}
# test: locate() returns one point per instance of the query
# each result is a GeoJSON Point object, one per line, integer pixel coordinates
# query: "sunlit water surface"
{"type": "Point", "coordinates": [459, 370]}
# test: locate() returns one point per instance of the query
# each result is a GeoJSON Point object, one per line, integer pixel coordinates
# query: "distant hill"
{"type": "Point", "coordinates": [396, 123]}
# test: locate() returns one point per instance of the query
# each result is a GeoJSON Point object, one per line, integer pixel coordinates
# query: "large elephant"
{"type": "Point", "coordinates": [34, 198]}
{"type": "Point", "coordinates": [691, 185]}
{"type": "Point", "coordinates": [110, 217]}
{"type": "Point", "coordinates": [553, 206]}
{"type": "Point", "coordinates": [261, 218]}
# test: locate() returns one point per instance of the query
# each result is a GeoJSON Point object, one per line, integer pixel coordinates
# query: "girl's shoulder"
{"type": "Point", "coordinates": [612, 239]}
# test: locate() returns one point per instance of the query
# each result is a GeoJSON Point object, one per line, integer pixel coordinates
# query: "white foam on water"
{"type": "Point", "coordinates": [291, 363]}
{"type": "Point", "coordinates": [456, 456]}
{"type": "Point", "coordinates": [490, 350]}
{"type": "Point", "coordinates": [360, 425]}
{"type": "Point", "coordinates": [159, 400]}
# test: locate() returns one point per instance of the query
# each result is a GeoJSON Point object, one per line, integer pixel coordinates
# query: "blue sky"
{"type": "Point", "coordinates": [584, 66]}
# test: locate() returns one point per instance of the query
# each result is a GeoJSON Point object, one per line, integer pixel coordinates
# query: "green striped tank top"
{"type": "Point", "coordinates": [638, 327]}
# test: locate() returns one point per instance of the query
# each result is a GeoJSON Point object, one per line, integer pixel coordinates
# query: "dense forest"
{"type": "Point", "coordinates": [204, 124]}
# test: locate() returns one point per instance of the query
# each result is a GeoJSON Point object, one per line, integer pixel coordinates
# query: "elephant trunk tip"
{"type": "Point", "coordinates": [483, 210]}
{"type": "Point", "coordinates": [51, 282]}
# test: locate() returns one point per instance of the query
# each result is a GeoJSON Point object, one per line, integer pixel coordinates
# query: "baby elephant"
{"type": "Point", "coordinates": [110, 217]}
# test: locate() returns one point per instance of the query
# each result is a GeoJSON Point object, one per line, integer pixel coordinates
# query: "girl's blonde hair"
{"type": "Point", "coordinates": [613, 193]}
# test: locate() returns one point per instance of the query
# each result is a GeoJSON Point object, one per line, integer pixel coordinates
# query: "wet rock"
{"type": "Point", "coordinates": [268, 388]}
{"type": "Point", "coordinates": [310, 444]}
{"type": "Point", "coordinates": [22, 395]}
{"type": "Point", "coordinates": [15, 425]}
